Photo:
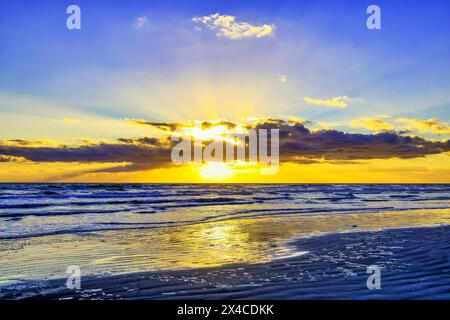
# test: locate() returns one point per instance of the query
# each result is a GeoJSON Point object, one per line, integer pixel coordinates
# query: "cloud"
{"type": "Point", "coordinates": [375, 124]}
{"type": "Point", "coordinates": [165, 126]}
{"type": "Point", "coordinates": [4, 158]}
{"type": "Point", "coordinates": [298, 144]}
{"type": "Point", "coordinates": [145, 141]}
{"type": "Point", "coordinates": [140, 22]}
{"type": "Point", "coordinates": [403, 125]}
{"type": "Point", "coordinates": [222, 123]}
{"type": "Point", "coordinates": [128, 156]}
{"type": "Point", "coordinates": [227, 26]}
{"type": "Point", "coordinates": [29, 143]}
{"type": "Point", "coordinates": [174, 126]}
{"type": "Point", "coordinates": [339, 102]}
{"type": "Point", "coordinates": [431, 125]}
{"type": "Point", "coordinates": [297, 141]}
{"type": "Point", "coordinates": [283, 78]}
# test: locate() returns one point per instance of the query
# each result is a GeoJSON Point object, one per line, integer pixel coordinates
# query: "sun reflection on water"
{"type": "Point", "coordinates": [245, 240]}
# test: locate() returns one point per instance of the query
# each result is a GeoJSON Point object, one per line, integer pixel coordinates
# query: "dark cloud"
{"type": "Point", "coordinates": [145, 140]}
{"type": "Point", "coordinates": [209, 124]}
{"type": "Point", "coordinates": [139, 156]}
{"type": "Point", "coordinates": [165, 126]}
{"type": "Point", "coordinates": [173, 126]}
{"type": "Point", "coordinates": [297, 144]}
{"type": "Point", "coordinates": [21, 142]}
{"type": "Point", "coordinates": [298, 141]}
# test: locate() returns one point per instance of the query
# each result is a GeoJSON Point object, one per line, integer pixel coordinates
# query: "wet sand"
{"type": "Point", "coordinates": [415, 264]}
{"type": "Point", "coordinates": [199, 245]}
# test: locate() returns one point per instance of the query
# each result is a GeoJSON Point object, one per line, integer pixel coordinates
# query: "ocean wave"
{"type": "Point", "coordinates": [39, 209]}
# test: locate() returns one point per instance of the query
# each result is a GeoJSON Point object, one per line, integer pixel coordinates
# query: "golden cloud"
{"type": "Point", "coordinates": [375, 124]}
{"type": "Point", "coordinates": [6, 158]}
{"type": "Point", "coordinates": [430, 125]}
{"type": "Point", "coordinates": [338, 102]}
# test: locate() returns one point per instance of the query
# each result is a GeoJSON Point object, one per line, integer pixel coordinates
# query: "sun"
{"type": "Point", "coordinates": [216, 171]}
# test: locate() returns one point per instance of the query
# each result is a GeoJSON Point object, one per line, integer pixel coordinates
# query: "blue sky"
{"type": "Point", "coordinates": [323, 47]}
{"type": "Point", "coordinates": [89, 104]}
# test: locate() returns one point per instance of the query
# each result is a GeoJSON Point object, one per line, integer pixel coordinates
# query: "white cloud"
{"type": "Point", "coordinates": [140, 22]}
{"type": "Point", "coordinates": [227, 26]}
{"type": "Point", "coordinates": [283, 77]}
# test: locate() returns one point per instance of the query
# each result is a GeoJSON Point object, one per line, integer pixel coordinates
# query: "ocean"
{"type": "Point", "coordinates": [153, 241]}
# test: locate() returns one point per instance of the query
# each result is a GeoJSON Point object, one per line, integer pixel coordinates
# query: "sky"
{"type": "Point", "coordinates": [356, 105]}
